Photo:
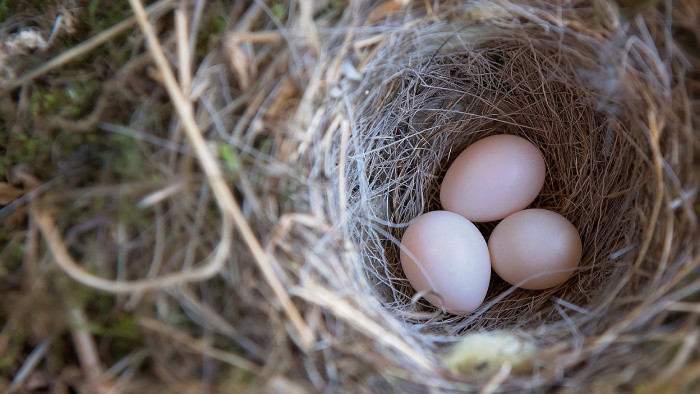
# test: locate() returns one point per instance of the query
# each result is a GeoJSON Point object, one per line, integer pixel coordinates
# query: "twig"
{"type": "Point", "coordinates": [684, 352]}
{"type": "Point", "coordinates": [342, 181]}
{"type": "Point", "coordinates": [340, 308]}
{"type": "Point", "coordinates": [224, 198]}
{"type": "Point", "coordinates": [689, 307]}
{"type": "Point", "coordinates": [183, 53]}
{"type": "Point", "coordinates": [31, 362]}
{"type": "Point", "coordinates": [87, 353]}
{"type": "Point", "coordinates": [60, 253]}
{"type": "Point", "coordinates": [497, 380]}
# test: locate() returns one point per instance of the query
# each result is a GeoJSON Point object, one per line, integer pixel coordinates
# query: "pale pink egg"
{"type": "Point", "coordinates": [492, 178]}
{"type": "Point", "coordinates": [445, 253]}
{"type": "Point", "coordinates": [537, 244]}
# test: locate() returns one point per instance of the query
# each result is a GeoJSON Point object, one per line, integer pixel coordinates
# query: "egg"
{"type": "Point", "coordinates": [492, 178]}
{"type": "Point", "coordinates": [445, 253]}
{"type": "Point", "coordinates": [538, 244]}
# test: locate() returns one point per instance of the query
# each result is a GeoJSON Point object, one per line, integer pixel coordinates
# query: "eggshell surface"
{"type": "Point", "coordinates": [492, 178]}
{"type": "Point", "coordinates": [531, 243]}
{"type": "Point", "coordinates": [444, 252]}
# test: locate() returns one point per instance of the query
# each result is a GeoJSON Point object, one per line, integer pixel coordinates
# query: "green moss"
{"type": "Point", "coordinates": [266, 146]}
{"type": "Point", "coordinates": [14, 258]}
{"type": "Point", "coordinates": [640, 6]}
{"type": "Point", "coordinates": [11, 357]}
{"type": "Point", "coordinates": [210, 34]}
{"type": "Point", "coordinates": [69, 93]}
{"type": "Point", "coordinates": [125, 327]}
{"type": "Point", "coordinates": [71, 100]}
{"type": "Point", "coordinates": [229, 157]}
{"type": "Point", "coordinates": [217, 25]}
{"type": "Point", "coordinates": [72, 159]}
{"type": "Point", "coordinates": [34, 144]}
{"type": "Point", "coordinates": [102, 14]}
{"type": "Point", "coordinates": [10, 361]}
{"type": "Point", "coordinates": [132, 215]}
{"type": "Point", "coordinates": [96, 304]}
{"type": "Point", "coordinates": [9, 8]}
{"type": "Point", "coordinates": [337, 5]}
{"type": "Point", "coordinates": [5, 7]}
{"type": "Point", "coordinates": [279, 9]}
{"type": "Point", "coordinates": [31, 148]}
{"type": "Point", "coordinates": [5, 236]}
{"type": "Point", "coordinates": [124, 157]}
{"type": "Point", "coordinates": [117, 331]}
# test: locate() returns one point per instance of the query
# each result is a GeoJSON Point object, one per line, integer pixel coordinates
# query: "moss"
{"type": "Point", "coordinates": [9, 8]}
{"type": "Point", "coordinates": [279, 9]}
{"type": "Point", "coordinates": [337, 5]}
{"type": "Point", "coordinates": [31, 138]}
{"type": "Point", "coordinates": [266, 146]}
{"type": "Point", "coordinates": [240, 380]}
{"type": "Point", "coordinates": [129, 160]}
{"type": "Point", "coordinates": [210, 34]}
{"type": "Point", "coordinates": [217, 25]}
{"type": "Point", "coordinates": [7, 363]}
{"type": "Point", "coordinates": [229, 157]}
{"type": "Point", "coordinates": [632, 9]}
{"type": "Point", "coordinates": [132, 215]}
{"type": "Point", "coordinates": [102, 14]}
{"type": "Point", "coordinates": [111, 327]}
{"type": "Point", "coordinates": [32, 148]}
{"type": "Point", "coordinates": [70, 159]}
{"type": "Point", "coordinates": [14, 257]}
{"type": "Point", "coordinates": [124, 326]}
{"type": "Point", "coordinates": [72, 99]}
{"type": "Point", "coordinates": [5, 7]}
{"type": "Point", "coordinates": [5, 236]}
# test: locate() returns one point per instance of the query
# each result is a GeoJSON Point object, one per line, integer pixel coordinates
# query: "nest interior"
{"type": "Point", "coordinates": [547, 89]}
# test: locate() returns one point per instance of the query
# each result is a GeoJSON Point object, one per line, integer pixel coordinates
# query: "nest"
{"type": "Point", "coordinates": [336, 131]}
{"type": "Point", "coordinates": [573, 96]}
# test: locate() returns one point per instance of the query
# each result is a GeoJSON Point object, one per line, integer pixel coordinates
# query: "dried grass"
{"type": "Point", "coordinates": [342, 122]}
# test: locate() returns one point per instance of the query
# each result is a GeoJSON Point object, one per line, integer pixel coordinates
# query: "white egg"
{"type": "Point", "coordinates": [445, 253]}
{"type": "Point", "coordinates": [492, 178]}
{"type": "Point", "coordinates": [536, 245]}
